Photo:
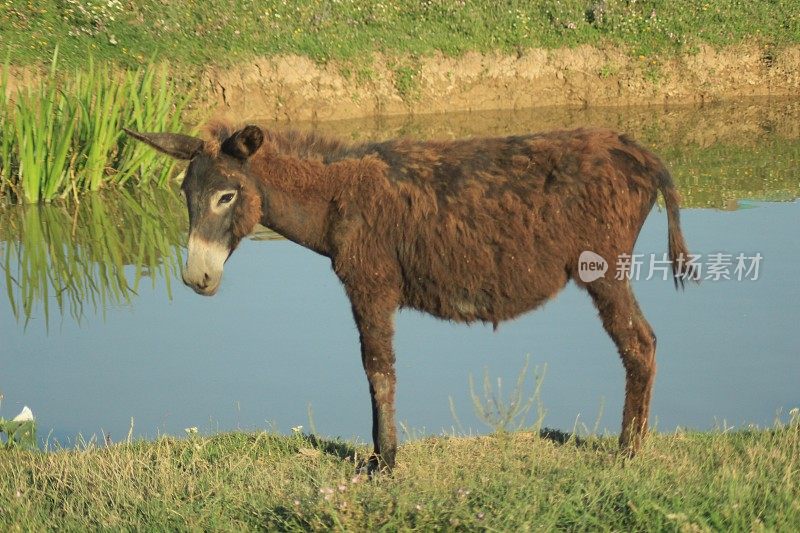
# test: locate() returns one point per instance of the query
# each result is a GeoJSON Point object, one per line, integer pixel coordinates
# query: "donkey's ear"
{"type": "Point", "coordinates": [173, 144]}
{"type": "Point", "coordinates": [244, 142]}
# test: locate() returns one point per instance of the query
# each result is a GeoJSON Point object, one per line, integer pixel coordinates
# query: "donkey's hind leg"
{"type": "Point", "coordinates": [624, 322]}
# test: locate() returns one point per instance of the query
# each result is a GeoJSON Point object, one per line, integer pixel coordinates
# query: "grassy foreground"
{"type": "Point", "coordinates": [727, 481]}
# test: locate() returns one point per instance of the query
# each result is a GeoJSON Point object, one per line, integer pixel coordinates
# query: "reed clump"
{"type": "Point", "coordinates": [63, 135]}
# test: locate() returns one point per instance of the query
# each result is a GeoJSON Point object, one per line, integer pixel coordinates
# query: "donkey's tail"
{"type": "Point", "coordinates": [682, 267]}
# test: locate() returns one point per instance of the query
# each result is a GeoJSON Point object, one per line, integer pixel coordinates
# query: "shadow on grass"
{"type": "Point", "coordinates": [561, 437]}
{"type": "Point", "coordinates": [337, 448]}
{"type": "Point", "coordinates": [592, 442]}
{"type": "Point", "coordinates": [349, 452]}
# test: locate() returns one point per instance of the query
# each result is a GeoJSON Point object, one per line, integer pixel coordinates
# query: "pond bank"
{"type": "Point", "coordinates": [288, 88]}
{"type": "Point", "coordinates": [292, 88]}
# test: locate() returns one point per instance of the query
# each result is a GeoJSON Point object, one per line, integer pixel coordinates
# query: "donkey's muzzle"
{"type": "Point", "coordinates": [203, 286]}
{"type": "Point", "coordinates": [204, 263]}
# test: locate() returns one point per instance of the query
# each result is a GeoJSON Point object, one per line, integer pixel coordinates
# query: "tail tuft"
{"type": "Point", "coordinates": [683, 268]}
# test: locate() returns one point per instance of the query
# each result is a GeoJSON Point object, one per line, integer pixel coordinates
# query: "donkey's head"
{"type": "Point", "coordinates": [222, 198]}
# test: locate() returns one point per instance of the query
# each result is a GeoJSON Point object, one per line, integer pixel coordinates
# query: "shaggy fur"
{"type": "Point", "coordinates": [477, 229]}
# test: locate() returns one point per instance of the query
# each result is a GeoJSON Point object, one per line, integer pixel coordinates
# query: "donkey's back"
{"type": "Point", "coordinates": [494, 227]}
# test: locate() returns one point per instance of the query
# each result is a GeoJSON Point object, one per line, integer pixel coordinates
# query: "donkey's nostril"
{"type": "Point", "coordinates": [206, 277]}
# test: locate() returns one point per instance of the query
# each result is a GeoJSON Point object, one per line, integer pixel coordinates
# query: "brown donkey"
{"type": "Point", "coordinates": [478, 229]}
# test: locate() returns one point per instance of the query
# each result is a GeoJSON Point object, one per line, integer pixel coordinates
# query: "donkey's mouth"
{"type": "Point", "coordinates": [205, 291]}
{"type": "Point", "coordinates": [206, 286]}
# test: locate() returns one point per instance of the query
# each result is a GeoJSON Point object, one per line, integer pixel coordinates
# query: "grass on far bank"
{"type": "Point", "coordinates": [726, 481]}
{"type": "Point", "coordinates": [190, 33]}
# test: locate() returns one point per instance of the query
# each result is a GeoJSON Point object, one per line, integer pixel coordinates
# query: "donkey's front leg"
{"type": "Point", "coordinates": [375, 325]}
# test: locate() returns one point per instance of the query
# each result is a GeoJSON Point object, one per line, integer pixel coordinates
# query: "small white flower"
{"type": "Point", "coordinates": [191, 431]}
{"type": "Point", "coordinates": [297, 429]}
{"type": "Point", "coordinates": [26, 415]}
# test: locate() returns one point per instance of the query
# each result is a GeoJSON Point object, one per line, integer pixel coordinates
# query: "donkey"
{"type": "Point", "coordinates": [476, 229]}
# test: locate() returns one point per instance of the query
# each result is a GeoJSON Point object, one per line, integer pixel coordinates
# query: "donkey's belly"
{"type": "Point", "coordinates": [483, 296]}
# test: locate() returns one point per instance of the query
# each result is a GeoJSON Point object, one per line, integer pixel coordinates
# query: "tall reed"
{"type": "Point", "coordinates": [63, 135]}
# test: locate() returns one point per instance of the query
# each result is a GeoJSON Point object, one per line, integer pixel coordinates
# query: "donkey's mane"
{"type": "Point", "coordinates": [300, 144]}
{"type": "Point", "coordinates": [309, 145]}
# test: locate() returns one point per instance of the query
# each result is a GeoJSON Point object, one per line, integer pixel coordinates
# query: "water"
{"type": "Point", "coordinates": [128, 348]}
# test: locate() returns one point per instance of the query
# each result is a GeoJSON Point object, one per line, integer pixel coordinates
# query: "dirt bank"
{"type": "Point", "coordinates": [295, 88]}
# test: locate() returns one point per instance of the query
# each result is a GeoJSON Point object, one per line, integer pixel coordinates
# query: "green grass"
{"type": "Point", "coordinates": [725, 481]}
{"type": "Point", "coordinates": [64, 136]}
{"type": "Point", "coordinates": [192, 33]}
{"type": "Point", "coordinates": [405, 81]}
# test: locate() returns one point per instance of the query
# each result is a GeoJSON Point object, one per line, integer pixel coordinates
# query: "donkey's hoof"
{"type": "Point", "coordinates": [368, 466]}
{"type": "Point", "coordinates": [627, 451]}
{"type": "Point", "coordinates": [373, 466]}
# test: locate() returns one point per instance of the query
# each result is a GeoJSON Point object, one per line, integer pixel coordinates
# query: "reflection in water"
{"type": "Point", "coordinates": [718, 154]}
{"type": "Point", "coordinates": [280, 335]}
{"type": "Point", "coordinates": [76, 255]}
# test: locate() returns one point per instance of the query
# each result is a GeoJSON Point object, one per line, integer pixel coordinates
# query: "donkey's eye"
{"type": "Point", "coordinates": [225, 198]}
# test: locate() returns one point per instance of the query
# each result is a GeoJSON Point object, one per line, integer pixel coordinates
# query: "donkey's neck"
{"type": "Point", "coordinates": [303, 221]}
{"type": "Point", "coordinates": [303, 198]}
{"type": "Point", "coordinates": [291, 205]}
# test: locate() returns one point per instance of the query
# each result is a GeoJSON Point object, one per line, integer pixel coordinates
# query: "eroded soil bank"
{"type": "Point", "coordinates": [288, 88]}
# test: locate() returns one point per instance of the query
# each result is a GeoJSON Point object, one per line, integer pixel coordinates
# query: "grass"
{"type": "Point", "coordinates": [64, 136]}
{"type": "Point", "coordinates": [195, 33]}
{"type": "Point", "coordinates": [405, 82]}
{"type": "Point", "coordinates": [728, 481]}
